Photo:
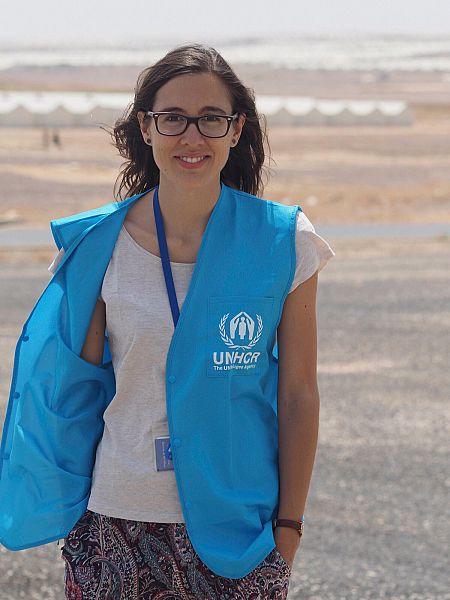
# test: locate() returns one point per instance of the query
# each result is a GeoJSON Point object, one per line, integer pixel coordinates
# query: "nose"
{"type": "Point", "coordinates": [192, 134]}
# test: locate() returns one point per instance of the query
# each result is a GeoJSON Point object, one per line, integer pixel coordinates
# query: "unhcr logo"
{"type": "Point", "coordinates": [238, 334]}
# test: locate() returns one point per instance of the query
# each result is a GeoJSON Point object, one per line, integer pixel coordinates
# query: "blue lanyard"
{"type": "Point", "coordinates": [165, 259]}
{"type": "Point", "coordinates": [163, 250]}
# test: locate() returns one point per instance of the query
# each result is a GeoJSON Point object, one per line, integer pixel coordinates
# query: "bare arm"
{"type": "Point", "coordinates": [298, 407]}
{"type": "Point", "coordinates": [95, 338]}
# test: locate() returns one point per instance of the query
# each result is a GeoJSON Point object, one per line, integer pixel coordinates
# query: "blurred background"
{"type": "Point", "coordinates": [357, 101]}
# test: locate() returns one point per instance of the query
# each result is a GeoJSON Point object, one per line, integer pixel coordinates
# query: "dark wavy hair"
{"type": "Point", "coordinates": [245, 164]}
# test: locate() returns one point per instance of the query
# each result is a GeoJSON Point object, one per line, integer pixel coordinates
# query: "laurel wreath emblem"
{"type": "Point", "coordinates": [230, 342]}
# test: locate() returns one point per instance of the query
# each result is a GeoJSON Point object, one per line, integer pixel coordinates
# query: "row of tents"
{"type": "Point", "coordinates": [84, 109]}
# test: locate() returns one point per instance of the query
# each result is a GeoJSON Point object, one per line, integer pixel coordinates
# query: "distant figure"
{"type": "Point", "coordinates": [56, 139]}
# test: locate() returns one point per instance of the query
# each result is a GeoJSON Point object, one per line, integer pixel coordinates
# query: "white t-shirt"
{"type": "Point", "coordinates": [125, 482]}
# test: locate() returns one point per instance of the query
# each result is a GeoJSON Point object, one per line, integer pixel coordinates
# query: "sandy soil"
{"type": "Point", "coordinates": [338, 175]}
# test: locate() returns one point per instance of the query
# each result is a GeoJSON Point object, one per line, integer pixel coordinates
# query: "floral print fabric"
{"type": "Point", "coordinates": [108, 558]}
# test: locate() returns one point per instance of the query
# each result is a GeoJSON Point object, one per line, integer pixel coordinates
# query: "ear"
{"type": "Point", "coordinates": [239, 124]}
{"type": "Point", "coordinates": [142, 125]}
{"type": "Point", "coordinates": [141, 117]}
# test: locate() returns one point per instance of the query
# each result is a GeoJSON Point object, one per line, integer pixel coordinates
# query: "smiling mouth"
{"type": "Point", "coordinates": [192, 162]}
{"type": "Point", "coordinates": [192, 159]}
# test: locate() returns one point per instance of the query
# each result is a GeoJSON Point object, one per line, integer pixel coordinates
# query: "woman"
{"type": "Point", "coordinates": [184, 500]}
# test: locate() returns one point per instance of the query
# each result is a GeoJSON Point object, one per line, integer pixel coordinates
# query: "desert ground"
{"type": "Point", "coordinates": [337, 174]}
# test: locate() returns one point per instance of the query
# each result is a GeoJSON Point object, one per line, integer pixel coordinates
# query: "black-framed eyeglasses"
{"type": "Point", "coordinates": [214, 126]}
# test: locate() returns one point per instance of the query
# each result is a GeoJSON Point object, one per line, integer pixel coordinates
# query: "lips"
{"type": "Point", "coordinates": [192, 165]}
{"type": "Point", "coordinates": [191, 155]}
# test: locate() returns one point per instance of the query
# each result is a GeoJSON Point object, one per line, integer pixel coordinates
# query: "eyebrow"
{"type": "Point", "coordinates": [181, 110]}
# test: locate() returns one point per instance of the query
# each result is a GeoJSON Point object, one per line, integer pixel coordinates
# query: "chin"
{"type": "Point", "coordinates": [197, 179]}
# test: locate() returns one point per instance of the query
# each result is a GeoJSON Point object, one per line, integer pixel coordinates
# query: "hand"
{"type": "Point", "coordinates": [287, 541]}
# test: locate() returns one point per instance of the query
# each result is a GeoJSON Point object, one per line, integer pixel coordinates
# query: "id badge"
{"type": "Point", "coordinates": [163, 454]}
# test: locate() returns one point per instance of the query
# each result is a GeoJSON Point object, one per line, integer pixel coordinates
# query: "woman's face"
{"type": "Point", "coordinates": [190, 95]}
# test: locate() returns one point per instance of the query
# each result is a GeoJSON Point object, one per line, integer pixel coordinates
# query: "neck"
{"type": "Point", "coordinates": [186, 211]}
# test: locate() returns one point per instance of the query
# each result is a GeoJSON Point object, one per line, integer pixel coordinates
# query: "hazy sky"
{"type": "Point", "coordinates": [85, 21]}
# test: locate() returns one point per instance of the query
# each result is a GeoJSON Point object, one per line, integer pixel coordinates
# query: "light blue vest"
{"type": "Point", "coordinates": [221, 385]}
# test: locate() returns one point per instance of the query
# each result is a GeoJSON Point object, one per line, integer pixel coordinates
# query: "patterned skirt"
{"type": "Point", "coordinates": [108, 558]}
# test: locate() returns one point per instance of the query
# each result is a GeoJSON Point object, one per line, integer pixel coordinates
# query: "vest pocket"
{"type": "Point", "coordinates": [79, 383]}
{"type": "Point", "coordinates": [89, 367]}
{"type": "Point", "coordinates": [239, 330]}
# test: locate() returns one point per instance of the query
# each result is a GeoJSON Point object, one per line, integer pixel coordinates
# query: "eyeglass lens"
{"type": "Point", "coordinates": [209, 125]}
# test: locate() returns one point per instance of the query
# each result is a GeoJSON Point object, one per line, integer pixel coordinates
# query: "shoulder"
{"type": "Point", "coordinates": [66, 229]}
{"type": "Point", "coordinates": [312, 250]}
{"type": "Point", "coordinates": [261, 200]}
{"type": "Point", "coordinates": [306, 234]}
{"type": "Point", "coordinates": [274, 214]}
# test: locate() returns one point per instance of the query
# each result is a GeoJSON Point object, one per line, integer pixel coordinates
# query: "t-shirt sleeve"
{"type": "Point", "coordinates": [56, 260]}
{"type": "Point", "coordinates": [312, 251]}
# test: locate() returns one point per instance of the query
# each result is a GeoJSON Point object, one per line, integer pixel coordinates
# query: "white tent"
{"type": "Point", "coordinates": [291, 110]}
{"type": "Point", "coordinates": [84, 109]}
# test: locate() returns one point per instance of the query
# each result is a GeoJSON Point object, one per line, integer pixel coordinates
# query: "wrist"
{"type": "Point", "coordinates": [285, 523]}
{"type": "Point", "coordinates": [286, 538]}
{"type": "Point", "coordinates": [286, 533]}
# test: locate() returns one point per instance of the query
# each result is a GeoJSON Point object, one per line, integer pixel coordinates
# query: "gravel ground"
{"type": "Point", "coordinates": [377, 518]}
